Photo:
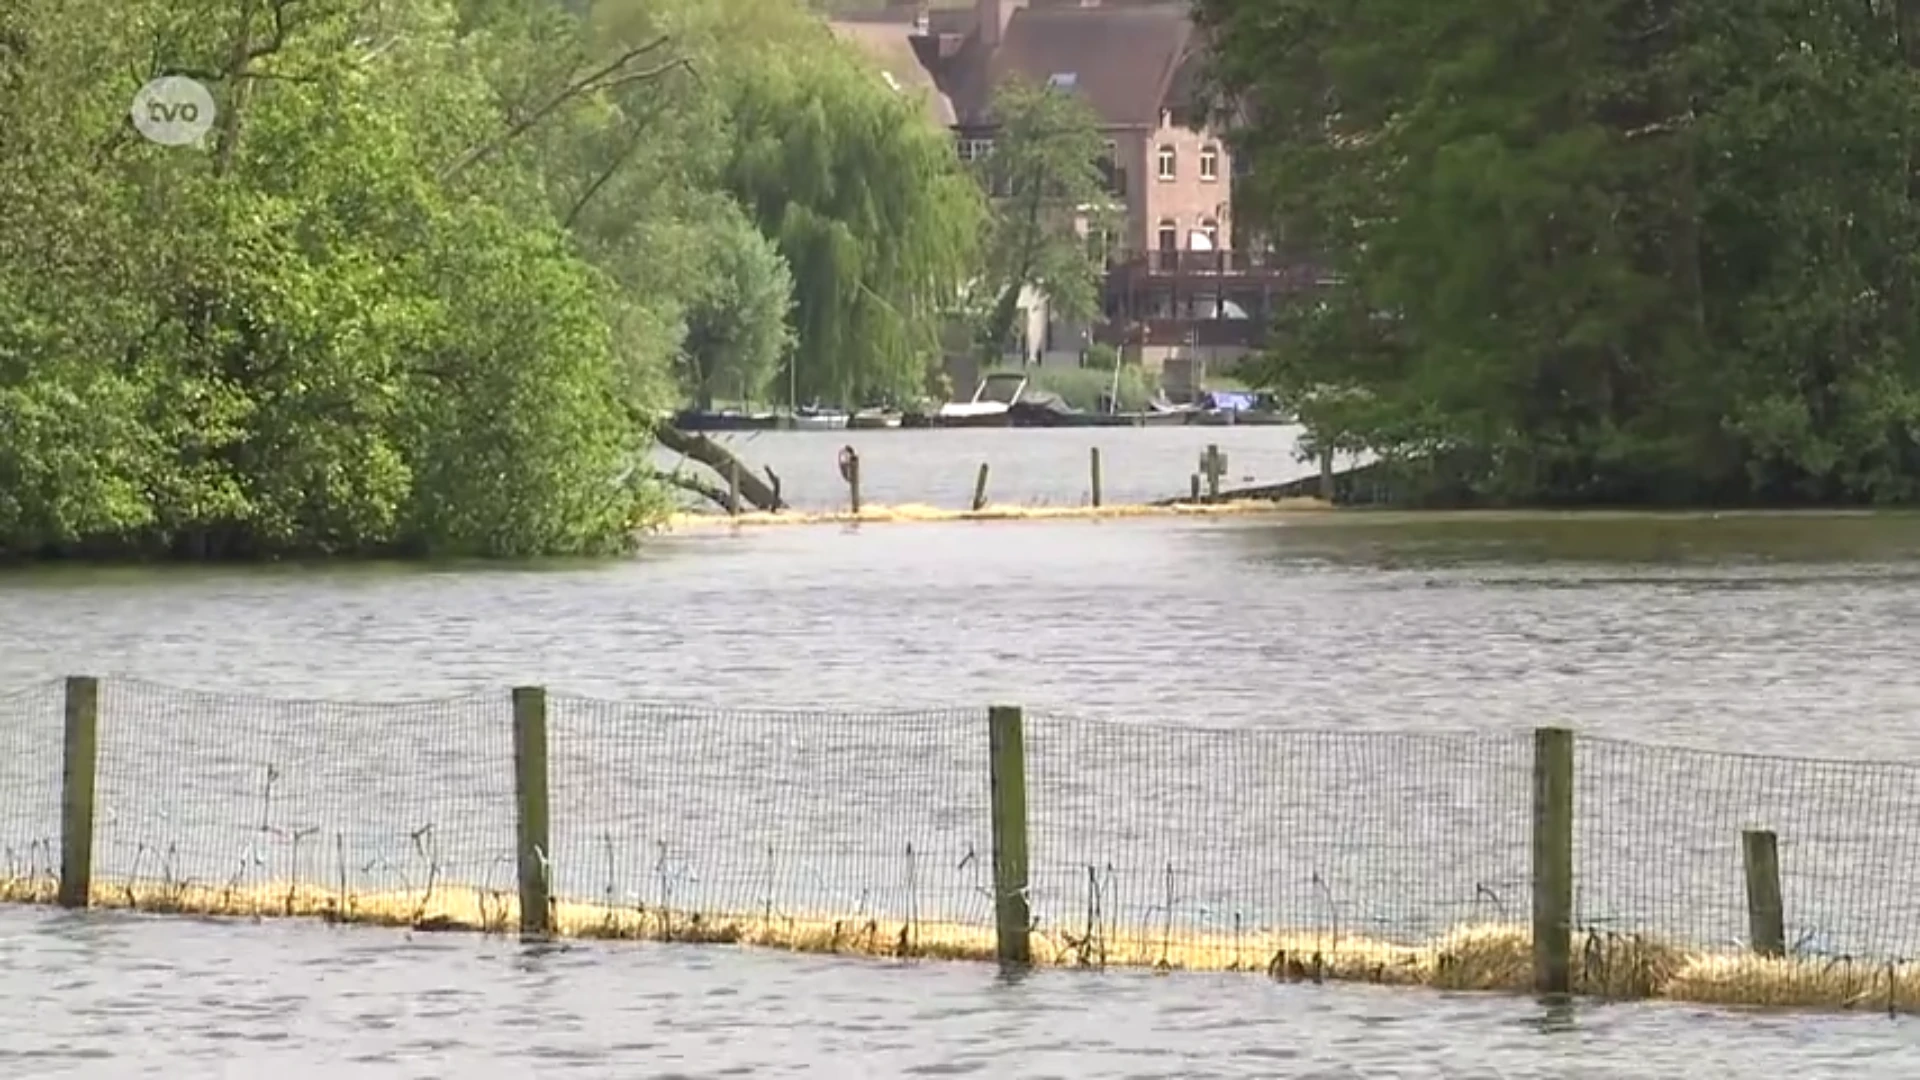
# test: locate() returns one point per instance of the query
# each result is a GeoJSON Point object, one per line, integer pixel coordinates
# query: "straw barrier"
{"type": "Point", "coordinates": [919, 512]}
{"type": "Point", "coordinates": [1523, 862]}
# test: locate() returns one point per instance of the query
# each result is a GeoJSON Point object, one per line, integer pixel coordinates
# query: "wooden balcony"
{"type": "Point", "coordinates": [1241, 333]}
{"type": "Point", "coordinates": [1254, 265]}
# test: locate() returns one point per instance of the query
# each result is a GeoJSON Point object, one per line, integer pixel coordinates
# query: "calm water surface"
{"type": "Point", "coordinates": [1774, 634]}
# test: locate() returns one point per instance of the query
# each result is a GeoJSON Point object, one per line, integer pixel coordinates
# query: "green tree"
{"type": "Point", "coordinates": [1045, 168]}
{"type": "Point", "coordinates": [869, 205]}
{"type": "Point", "coordinates": [737, 330]}
{"type": "Point", "coordinates": [1621, 252]}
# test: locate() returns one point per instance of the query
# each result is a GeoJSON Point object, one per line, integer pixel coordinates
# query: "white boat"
{"type": "Point", "coordinates": [818, 420]}
{"type": "Point", "coordinates": [995, 395]}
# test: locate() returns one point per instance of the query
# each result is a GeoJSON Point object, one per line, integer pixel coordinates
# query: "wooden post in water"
{"type": "Point", "coordinates": [1196, 488]}
{"type": "Point", "coordinates": [1552, 860]}
{"type": "Point", "coordinates": [850, 471]}
{"type": "Point", "coordinates": [1213, 463]}
{"type": "Point", "coordinates": [1007, 762]}
{"type": "Point", "coordinates": [733, 489]}
{"type": "Point", "coordinates": [1094, 465]}
{"type": "Point", "coordinates": [1766, 915]}
{"type": "Point", "coordinates": [980, 489]}
{"type": "Point", "coordinates": [76, 790]}
{"type": "Point", "coordinates": [530, 790]}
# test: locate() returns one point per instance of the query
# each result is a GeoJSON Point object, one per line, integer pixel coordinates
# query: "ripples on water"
{"type": "Point", "coordinates": [1764, 634]}
{"type": "Point", "coordinates": [123, 996]}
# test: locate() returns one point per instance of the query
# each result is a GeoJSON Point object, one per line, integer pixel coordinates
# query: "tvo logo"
{"type": "Point", "coordinates": [173, 111]}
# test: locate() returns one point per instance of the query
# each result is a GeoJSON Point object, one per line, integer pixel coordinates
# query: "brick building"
{"type": "Point", "coordinates": [1178, 286]}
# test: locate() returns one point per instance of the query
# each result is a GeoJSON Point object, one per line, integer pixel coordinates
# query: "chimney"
{"type": "Point", "coordinates": [994, 16]}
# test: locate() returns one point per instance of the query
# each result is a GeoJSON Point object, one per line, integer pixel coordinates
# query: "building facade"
{"type": "Point", "coordinates": [1178, 286]}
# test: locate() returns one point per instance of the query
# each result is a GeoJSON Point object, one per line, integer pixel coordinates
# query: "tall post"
{"type": "Point", "coordinates": [76, 790]}
{"type": "Point", "coordinates": [1094, 465]}
{"type": "Point", "coordinates": [733, 488]}
{"type": "Point", "coordinates": [530, 790]}
{"type": "Point", "coordinates": [1766, 915]}
{"type": "Point", "coordinates": [1012, 915]}
{"type": "Point", "coordinates": [1552, 860]}
{"type": "Point", "coordinates": [980, 489]}
{"type": "Point", "coordinates": [851, 469]}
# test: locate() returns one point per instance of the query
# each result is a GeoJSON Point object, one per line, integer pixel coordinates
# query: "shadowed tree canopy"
{"type": "Point", "coordinates": [1616, 252]}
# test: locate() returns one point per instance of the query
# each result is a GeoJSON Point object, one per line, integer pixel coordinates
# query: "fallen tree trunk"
{"type": "Point", "coordinates": [712, 492]}
{"type": "Point", "coordinates": [754, 491]}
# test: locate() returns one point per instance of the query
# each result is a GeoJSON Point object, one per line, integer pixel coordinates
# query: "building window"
{"type": "Point", "coordinates": [975, 149]}
{"type": "Point", "coordinates": [1166, 162]}
{"type": "Point", "coordinates": [1210, 163]}
{"type": "Point", "coordinates": [1211, 230]}
{"type": "Point", "coordinates": [1169, 235]}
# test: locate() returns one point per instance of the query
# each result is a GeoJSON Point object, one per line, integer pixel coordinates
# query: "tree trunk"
{"type": "Point", "coordinates": [753, 490]}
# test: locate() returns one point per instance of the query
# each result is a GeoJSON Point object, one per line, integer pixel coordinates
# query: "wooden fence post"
{"type": "Point", "coordinates": [76, 790]}
{"type": "Point", "coordinates": [1094, 464]}
{"type": "Point", "coordinates": [980, 489]}
{"type": "Point", "coordinates": [1766, 915]}
{"type": "Point", "coordinates": [530, 791]}
{"type": "Point", "coordinates": [733, 488]}
{"type": "Point", "coordinates": [1552, 860]}
{"type": "Point", "coordinates": [1012, 914]}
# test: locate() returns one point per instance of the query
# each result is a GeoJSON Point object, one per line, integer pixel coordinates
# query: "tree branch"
{"type": "Point", "coordinates": [595, 80]}
{"type": "Point", "coordinates": [606, 175]}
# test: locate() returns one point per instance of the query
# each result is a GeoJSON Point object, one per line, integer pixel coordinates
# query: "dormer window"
{"type": "Point", "coordinates": [1168, 162]}
{"type": "Point", "coordinates": [1210, 163]}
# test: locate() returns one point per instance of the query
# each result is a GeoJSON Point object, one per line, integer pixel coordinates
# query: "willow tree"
{"type": "Point", "coordinates": [870, 206]}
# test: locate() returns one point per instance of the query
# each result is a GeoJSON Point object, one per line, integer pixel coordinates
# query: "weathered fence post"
{"type": "Point", "coordinates": [980, 489]}
{"type": "Point", "coordinates": [530, 791]}
{"type": "Point", "coordinates": [76, 790]}
{"type": "Point", "coordinates": [1094, 464]}
{"type": "Point", "coordinates": [1012, 915]}
{"type": "Point", "coordinates": [850, 472]}
{"type": "Point", "coordinates": [1766, 915]}
{"type": "Point", "coordinates": [1552, 860]}
{"type": "Point", "coordinates": [1213, 463]}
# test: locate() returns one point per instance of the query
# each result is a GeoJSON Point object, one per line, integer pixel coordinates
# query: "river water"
{"type": "Point", "coordinates": [1756, 634]}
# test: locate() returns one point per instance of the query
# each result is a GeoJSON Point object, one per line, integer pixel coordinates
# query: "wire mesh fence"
{"type": "Point", "coordinates": [30, 766]}
{"type": "Point", "coordinates": [1232, 841]}
{"type": "Point", "coordinates": [1395, 857]}
{"type": "Point", "coordinates": [270, 803]}
{"type": "Point", "coordinates": [780, 819]}
{"type": "Point", "coordinates": [1658, 845]}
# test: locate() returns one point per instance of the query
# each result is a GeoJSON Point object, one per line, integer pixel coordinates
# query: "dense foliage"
{"type": "Point", "coordinates": [1624, 250]}
{"type": "Point", "coordinates": [437, 265]}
